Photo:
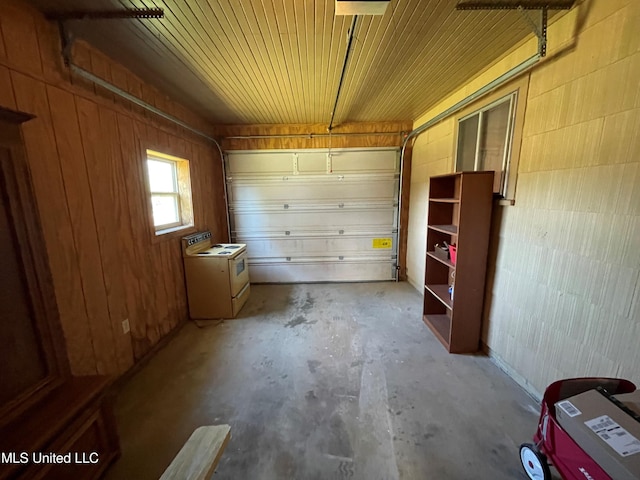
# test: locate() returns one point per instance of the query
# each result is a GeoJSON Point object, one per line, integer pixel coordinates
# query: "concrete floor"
{"type": "Point", "coordinates": [326, 381]}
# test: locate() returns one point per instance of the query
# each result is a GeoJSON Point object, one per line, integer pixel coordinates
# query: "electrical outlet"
{"type": "Point", "coordinates": [125, 326]}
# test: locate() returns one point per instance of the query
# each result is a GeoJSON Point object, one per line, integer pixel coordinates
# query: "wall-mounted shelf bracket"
{"type": "Point", "coordinates": [544, 7]}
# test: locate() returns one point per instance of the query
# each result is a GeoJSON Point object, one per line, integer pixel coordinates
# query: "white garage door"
{"type": "Point", "coordinates": [315, 215]}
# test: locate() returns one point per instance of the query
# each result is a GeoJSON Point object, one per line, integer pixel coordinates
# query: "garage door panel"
{"type": "Point", "coordinates": [312, 162]}
{"type": "Point", "coordinates": [301, 223]}
{"type": "Point", "coordinates": [268, 164]}
{"type": "Point", "coordinates": [321, 247]}
{"type": "Point", "coordinates": [242, 192]}
{"type": "Point", "coordinates": [315, 272]}
{"type": "Point", "coordinates": [292, 221]}
{"type": "Point", "coordinates": [350, 162]}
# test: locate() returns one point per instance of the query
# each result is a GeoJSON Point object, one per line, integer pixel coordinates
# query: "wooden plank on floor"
{"type": "Point", "coordinates": [198, 458]}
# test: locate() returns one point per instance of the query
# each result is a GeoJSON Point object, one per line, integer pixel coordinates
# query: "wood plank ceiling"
{"type": "Point", "coordinates": [279, 61]}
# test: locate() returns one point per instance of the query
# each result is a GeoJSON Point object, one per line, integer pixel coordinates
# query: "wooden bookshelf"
{"type": "Point", "coordinates": [448, 263]}
{"type": "Point", "coordinates": [459, 213]}
{"type": "Point", "coordinates": [450, 229]}
{"type": "Point", "coordinates": [441, 292]}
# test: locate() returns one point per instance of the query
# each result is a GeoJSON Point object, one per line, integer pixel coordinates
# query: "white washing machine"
{"type": "Point", "coordinates": [217, 276]}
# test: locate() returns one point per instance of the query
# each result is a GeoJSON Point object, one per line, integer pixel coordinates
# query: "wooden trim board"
{"type": "Point", "coordinates": [198, 458]}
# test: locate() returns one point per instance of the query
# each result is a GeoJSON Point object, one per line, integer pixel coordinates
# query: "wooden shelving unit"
{"type": "Point", "coordinates": [459, 213]}
{"type": "Point", "coordinates": [449, 229]}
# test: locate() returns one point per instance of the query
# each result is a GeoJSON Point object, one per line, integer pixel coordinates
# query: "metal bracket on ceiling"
{"type": "Point", "coordinates": [544, 7]}
{"type": "Point", "coordinates": [104, 14]}
{"type": "Point", "coordinates": [540, 32]}
{"type": "Point", "coordinates": [66, 38]}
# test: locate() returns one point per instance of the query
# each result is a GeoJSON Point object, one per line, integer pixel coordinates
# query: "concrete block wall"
{"type": "Point", "coordinates": [563, 292]}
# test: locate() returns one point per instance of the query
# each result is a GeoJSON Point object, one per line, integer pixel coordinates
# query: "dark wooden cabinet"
{"type": "Point", "coordinates": [43, 409]}
{"type": "Point", "coordinates": [459, 214]}
{"type": "Point", "coordinates": [73, 420]}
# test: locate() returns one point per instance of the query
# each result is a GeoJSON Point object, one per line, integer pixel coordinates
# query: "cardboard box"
{"type": "Point", "coordinates": [605, 432]}
{"type": "Point", "coordinates": [631, 400]}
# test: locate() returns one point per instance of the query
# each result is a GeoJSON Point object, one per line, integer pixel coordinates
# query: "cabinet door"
{"type": "Point", "coordinates": [90, 445]}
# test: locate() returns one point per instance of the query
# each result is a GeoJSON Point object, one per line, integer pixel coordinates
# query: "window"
{"type": "Point", "coordinates": [485, 141]}
{"type": "Point", "coordinates": [170, 190]}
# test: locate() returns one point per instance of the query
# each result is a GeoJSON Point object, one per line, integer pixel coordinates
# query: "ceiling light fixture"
{"type": "Point", "coordinates": [363, 7]}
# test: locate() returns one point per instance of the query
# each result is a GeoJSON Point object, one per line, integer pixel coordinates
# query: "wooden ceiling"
{"type": "Point", "coordinates": [279, 61]}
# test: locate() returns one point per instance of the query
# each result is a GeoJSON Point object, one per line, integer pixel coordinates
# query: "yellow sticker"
{"type": "Point", "coordinates": [382, 243]}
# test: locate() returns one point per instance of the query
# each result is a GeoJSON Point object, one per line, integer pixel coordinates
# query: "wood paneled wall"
{"type": "Point", "coordinates": [563, 294]}
{"type": "Point", "coordinates": [360, 135]}
{"type": "Point", "coordinates": [86, 151]}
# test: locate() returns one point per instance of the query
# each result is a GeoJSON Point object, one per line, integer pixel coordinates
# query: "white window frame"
{"type": "Point", "coordinates": [182, 192]}
{"type": "Point", "coordinates": [512, 98]}
{"type": "Point", "coordinates": [520, 86]}
{"type": "Point", "coordinates": [174, 194]}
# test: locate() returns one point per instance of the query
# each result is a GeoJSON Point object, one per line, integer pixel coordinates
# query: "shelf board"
{"type": "Point", "coordinates": [441, 292]}
{"type": "Point", "coordinates": [445, 200]}
{"type": "Point", "coordinates": [450, 229]}
{"type": "Point", "coordinates": [440, 325]}
{"type": "Point", "coordinates": [445, 262]}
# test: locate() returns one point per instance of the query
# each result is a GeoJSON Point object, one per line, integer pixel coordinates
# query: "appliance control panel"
{"type": "Point", "coordinates": [196, 238]}
{"type": "Point", "coordinates": [196, 241]}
